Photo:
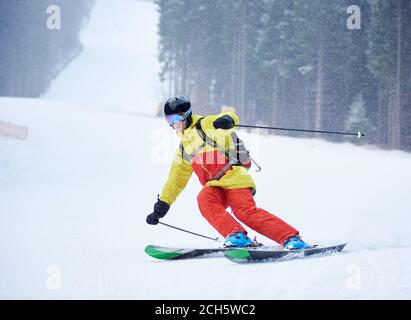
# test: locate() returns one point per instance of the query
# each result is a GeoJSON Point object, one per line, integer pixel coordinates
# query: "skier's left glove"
{"type": "Point", "coordinates": [224, 122]}
{"type": "Point", "coordinates": [160, 210]}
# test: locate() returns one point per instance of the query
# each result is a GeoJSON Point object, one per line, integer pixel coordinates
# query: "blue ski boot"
{"type": "Point", "coordinates": [295, 242]}
{"type": "Point", "coordinates": [238, 239]}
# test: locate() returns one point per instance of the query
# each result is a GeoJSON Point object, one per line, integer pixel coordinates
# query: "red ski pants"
{"type": "Point", "coordinates": [213, 201]}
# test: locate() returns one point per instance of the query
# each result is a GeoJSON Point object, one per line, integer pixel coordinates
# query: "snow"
{"type": "Point", "coordinates": [74, 197]}
{"type": "Point", "coordinates": [118, 68]}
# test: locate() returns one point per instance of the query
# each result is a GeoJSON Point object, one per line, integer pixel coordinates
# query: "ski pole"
{"type": "Point", "coordinates": [359, 134]}
{"type": "Point", "coordinates": [258, 166]}
{"type": "Point", "coordinates": [197, 234]}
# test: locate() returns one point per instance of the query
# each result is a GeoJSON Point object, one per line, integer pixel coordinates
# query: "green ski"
{"type": "Point", "coordinates": [168, 253]}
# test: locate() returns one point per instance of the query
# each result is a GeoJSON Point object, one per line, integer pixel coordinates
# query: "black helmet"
{"type": "Point", "coordinates": [178, 104]}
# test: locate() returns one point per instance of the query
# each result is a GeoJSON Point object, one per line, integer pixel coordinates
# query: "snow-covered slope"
{"type": "Point", "coordinates": [75, 194]}
{"type": "Point", "coordinates": [118, 68]}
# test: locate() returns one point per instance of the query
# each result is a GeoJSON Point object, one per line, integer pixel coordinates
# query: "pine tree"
{"type": "Point", "coordinates": [292, 63]}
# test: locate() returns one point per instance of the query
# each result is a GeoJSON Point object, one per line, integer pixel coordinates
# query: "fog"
{"type": "Point", "coordinates": [118, 68]}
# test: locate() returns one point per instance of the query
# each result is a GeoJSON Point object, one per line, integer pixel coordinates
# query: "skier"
{"type": "Point", "coordinates": [203, 149]}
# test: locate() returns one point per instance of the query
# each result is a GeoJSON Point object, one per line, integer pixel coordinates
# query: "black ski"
{"type": "Point", "coordinates": [253, 255]}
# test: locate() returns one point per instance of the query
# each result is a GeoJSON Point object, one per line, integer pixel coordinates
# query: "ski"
{"type": "Point", "coordinates": [168, 253]}
{"type": "Point", "coordinates": [254, 255]}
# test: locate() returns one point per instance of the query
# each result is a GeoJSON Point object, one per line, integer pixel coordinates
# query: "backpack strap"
{"type": "Point", "coordinates": [241, 153]}
{"type": "Point", "coordinates": [232, 160]}
{"type": "Point", "coordinates": [186, 156]}
{"type": "Point", "coordinates": [210, 141]}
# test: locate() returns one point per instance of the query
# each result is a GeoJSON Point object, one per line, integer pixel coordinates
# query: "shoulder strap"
{"type": "Point", "coordinates": [186, 156]}
{"type": "Point", "coordinates": [241, 153]}
{"type": "Point", "coordinates": [203, 135]}
{"type": "Point", "coordinates": [232, 159]}
{"type": "Point", "coordinates": [211, 142]}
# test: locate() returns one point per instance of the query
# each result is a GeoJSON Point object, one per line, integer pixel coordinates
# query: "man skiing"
{"type": "Point", "coordinates": [207, 149]}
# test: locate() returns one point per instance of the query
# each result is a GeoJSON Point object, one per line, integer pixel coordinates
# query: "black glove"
{"type": "Point", "coordinates": [160, 210]}
{"type": "Point", "coordinates": [224, 122]}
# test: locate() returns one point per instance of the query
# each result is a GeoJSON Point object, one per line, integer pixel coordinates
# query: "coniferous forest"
{"type": "Point", "coordinates": [32, 54]}
{"type": "Point", "coordinates": [310, 64]}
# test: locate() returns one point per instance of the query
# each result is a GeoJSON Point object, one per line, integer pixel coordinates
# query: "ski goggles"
{"type": "Point", "coordinates": [172, 119]}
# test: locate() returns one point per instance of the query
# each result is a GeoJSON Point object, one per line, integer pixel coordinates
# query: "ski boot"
{"type": "Point", "coordinates": [295, 242]}
{"type": "Point", "coordinates": [238, 239]}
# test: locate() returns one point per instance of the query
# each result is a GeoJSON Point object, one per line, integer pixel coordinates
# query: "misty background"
{"type": "Point", "coordinates": [302, 64]}
{"type": "Point", "coordinates": [83, 160]}
{"type": "Point", "coordinates": [31, 54]}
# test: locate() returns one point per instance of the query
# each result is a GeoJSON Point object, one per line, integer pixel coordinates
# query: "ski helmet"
{"type": "Point", "coordinates": [178, 104]}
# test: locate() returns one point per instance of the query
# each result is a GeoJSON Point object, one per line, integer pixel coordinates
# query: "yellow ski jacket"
{"type": "Point", "coordinates": [205, 159]}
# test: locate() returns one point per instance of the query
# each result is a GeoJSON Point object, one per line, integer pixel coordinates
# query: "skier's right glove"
{"type": "Point", "coordinates": [160, 210]}
{"type": "Point", "coordinates": [224, 122]}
